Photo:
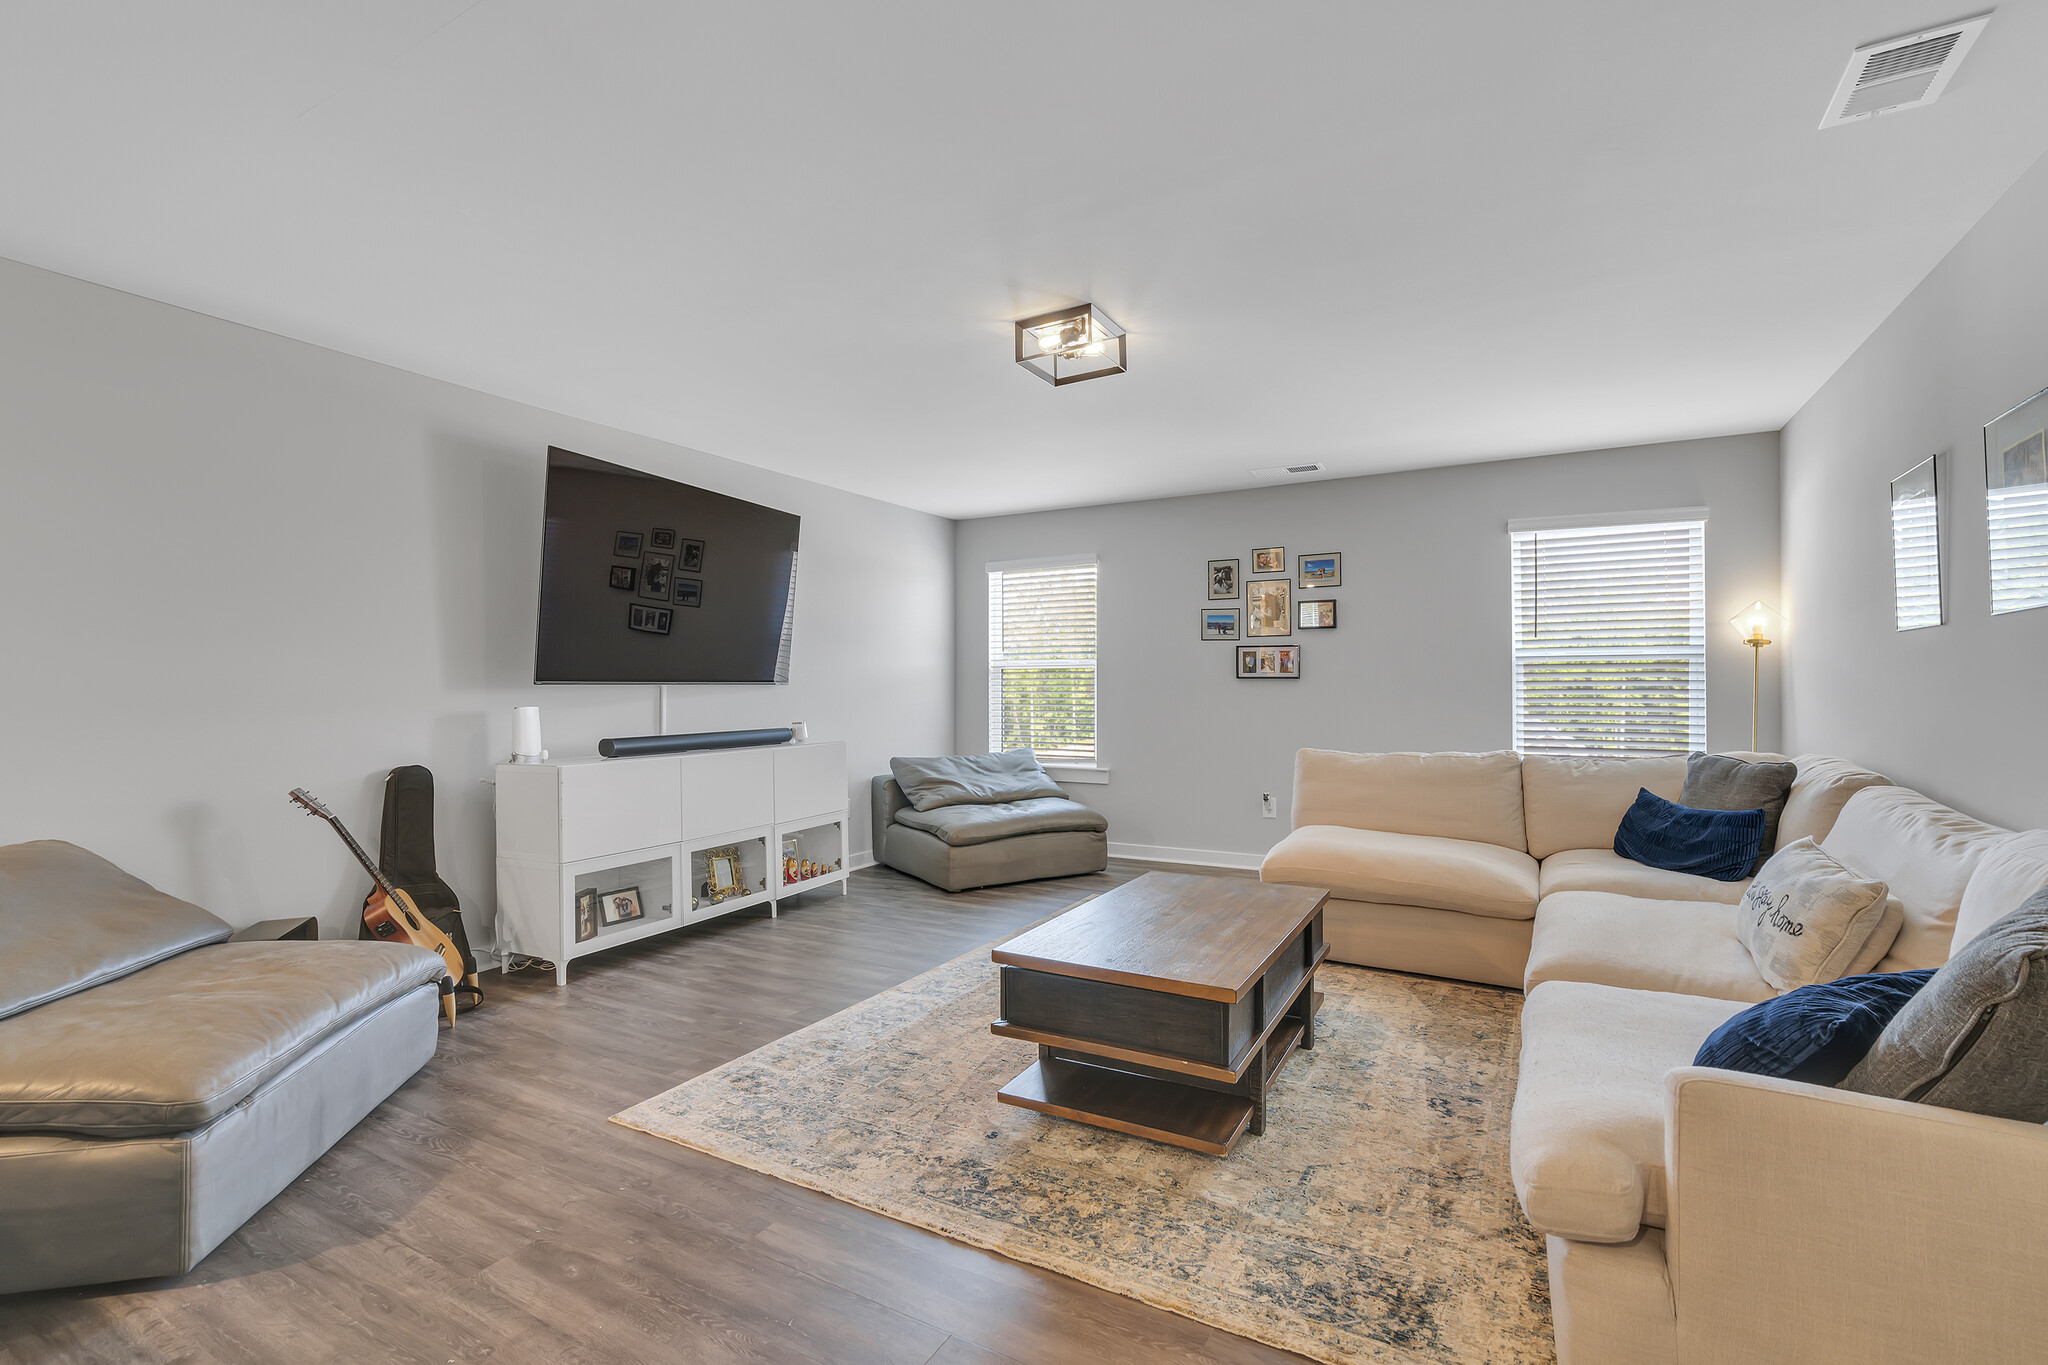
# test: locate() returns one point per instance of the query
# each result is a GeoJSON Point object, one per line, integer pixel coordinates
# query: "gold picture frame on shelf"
{"type": "Point", "coordinates": [723, 878]}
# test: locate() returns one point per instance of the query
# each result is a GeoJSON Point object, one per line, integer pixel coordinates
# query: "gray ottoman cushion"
{"type": "Point", "coordinates": [972, 779]}
{"type": "Point", "coordinates": [1976, 1036]}
{"type": "Point", "coordinates": [964, 825]}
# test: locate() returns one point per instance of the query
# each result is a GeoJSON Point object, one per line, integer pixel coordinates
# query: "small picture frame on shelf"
{"type": "Point", "coordinates": [661, 539]}
{"type": "Point", "coordinates": [1272, 560]}
{"type": "Point", "coordinates": [626, 545]}
{"type": "Point", "coordinates": [1269, 661]}
{"type": "Point", "coordinates": [657, 572]}
{"type": "Point", "coordinates": [653, 620]}
{"type": "Point", "coordinates": [693, 556]}
{"type": "Point", "coordinates": [586, 914]}
{"type": "Point", "coordinates": [1319, 571]}
{"type": "Point", "coordinates": [623, 576]}
{"type": "Point", "coordinates": [723, 878]}
{"type": "Point", "coordinates": [1219, 623]}
{"type": "Point", "coordinates": [689, 592]}
{"type": "Point", "coordinates": [1266, 610]}
{"type": "Point", "coordinates": [620, 906]}
{"type": "Point", "coordinates": [1222, 580]}
{"type": "Point", "coordinates": [1320, 615]}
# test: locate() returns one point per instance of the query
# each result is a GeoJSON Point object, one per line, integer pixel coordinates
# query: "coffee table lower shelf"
{"type": "Point", "coordinates": [1201, 1120]}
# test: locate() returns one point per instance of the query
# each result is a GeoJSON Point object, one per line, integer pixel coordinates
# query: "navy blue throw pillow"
{"type": "Point", "coordinates": [1721, 844]}
{"type": "Point", "coordinates": [1815, 1034]}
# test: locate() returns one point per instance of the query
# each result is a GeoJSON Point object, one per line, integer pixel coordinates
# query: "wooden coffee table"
{"type": "Point", "coordinates": [1164, 1008]}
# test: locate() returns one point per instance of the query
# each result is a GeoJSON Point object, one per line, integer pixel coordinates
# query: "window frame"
{"type": "Point", "coordinates": [998, 664]}
{"type": "Point", "coordinates": [1692, 653]}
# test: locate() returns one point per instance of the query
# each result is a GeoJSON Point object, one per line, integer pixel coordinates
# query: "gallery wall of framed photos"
{"type": "Point", "coordinates": [1276, 605]}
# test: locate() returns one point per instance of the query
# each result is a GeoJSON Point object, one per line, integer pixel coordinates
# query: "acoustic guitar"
{"type": "Point", "coordinates": [389, 912]}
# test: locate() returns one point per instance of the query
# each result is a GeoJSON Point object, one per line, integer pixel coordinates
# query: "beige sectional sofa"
{"type": "Point", "coordinates": [1695, 1215]}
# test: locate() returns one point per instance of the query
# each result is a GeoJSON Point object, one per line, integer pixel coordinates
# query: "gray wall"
{"type": "Point", "coordinates": [235, 564]}
{"type": "Point", "coordinates": [1420, 657]}
{"type": "Point", "coordinates": [1955, 710]}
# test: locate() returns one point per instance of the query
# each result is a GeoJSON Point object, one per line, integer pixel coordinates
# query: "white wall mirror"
{"type": "Point", "coordinates": [1916, 546]}
{"type": "Point", "coordinates": [2016, 501]}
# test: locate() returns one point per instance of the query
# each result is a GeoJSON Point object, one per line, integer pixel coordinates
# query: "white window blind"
{"type": "Point", "coordinates": [1041, 661]}
{"type": "Point", "coordinates": [1610, 638]}
{"type": "Point", "coordinates": [1916, 560]}
{"type": "Point", "coordinates": [2019, 547]}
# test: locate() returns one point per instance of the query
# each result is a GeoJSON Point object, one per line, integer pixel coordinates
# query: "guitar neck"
{"type": "Point", "coordinates": [369, 864]}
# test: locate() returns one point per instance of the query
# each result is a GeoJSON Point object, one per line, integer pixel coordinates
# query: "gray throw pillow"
{"type": "Point", "coordinates": [1976, 1036]}
{"type": "Point", "coordinates": [972, 779]}
{"type": "Point", "coordinates": [1718, 782]}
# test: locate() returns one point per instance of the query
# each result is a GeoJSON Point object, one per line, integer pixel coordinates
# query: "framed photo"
{"type": "Point", "coordinates": [623, 576]}
{"type": "Point", "coordinates": [653, 620]}
{"type": "Point", "coordinates": [617, 907]}
{"type": "Point", "coordinates": [626, 545]}
{"type": "Point", "coordinates": [586, 915]}
{"type": "Point", "coordinates": [722, 877]}
{"type": "Point", "coordinates": [689, 592]}
{"type": "Point", "coordinates": [1316, 615]}
{"type": "Point", "coordinates": [1222, 580]}
{"type": "Point", "coordinates": [657, 576]}
{"type": "Point", "coordinates": [1219, 623]}
{"type": "Point", "coordinates": [693, 556]}
{"type": "Point", "coordinates": [1319, 571]}
{"type": "Point", "coordinates": [1269, 661]}
{"type": "Point", "coordinates": [659, 539]}
{"type": "Point", "coordinates": [1270, 561]}
{"type": "Point", "coordinates": [1266, 610]}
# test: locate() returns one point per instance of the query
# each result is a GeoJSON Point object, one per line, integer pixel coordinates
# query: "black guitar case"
{"type": "Point", "coordinates": [405, 850]}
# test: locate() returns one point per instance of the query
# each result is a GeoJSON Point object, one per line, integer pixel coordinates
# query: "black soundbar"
{"type": "Point", "coordinates": [638, 746]}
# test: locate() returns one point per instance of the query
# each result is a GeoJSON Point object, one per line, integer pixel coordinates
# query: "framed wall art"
{"type": "Point", "coordinates": [689, 592]}
{"type": "Point", "coordinates": [693, 556]}
{"type": "Point", "coordinates": [1916, 547]}
{"type": "Point", "coordinates": [656, 571]}
{"type": "Point", "coordinates": [623, 575]}
{"type": "Point", "coordinates": [626, 544]}
{"type": "Point", "coordinates": [1219, 623]}
{"type": "Point", "coordinates": [660, 539]}
{"type": "Point", "coordinates": [2016, 504]}
{"type": "Point", "coordinates": [1266, 610]}
{"type": "Point", "coordinates": [1272, 560]}
{"type": "Point", "coordinates": [1319, 571]}
{"type": "Point", "coordinates": [653, 620]}
{"type": "Point", "coordinates": [1269, 661]}
{"type": "Point", "coordinates": [1222, 580]}
{"type": "Point", "coordinates": [1316, 615]}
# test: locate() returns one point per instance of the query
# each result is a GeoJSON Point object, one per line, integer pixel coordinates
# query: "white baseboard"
{"type": "Point", "coordinates": [1194, 857]}
{"type": "Point", "coordinates": [865, 858]}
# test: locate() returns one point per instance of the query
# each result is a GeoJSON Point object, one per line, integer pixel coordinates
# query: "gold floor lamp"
{"type": "Point", "coordinates": [1756, 623]}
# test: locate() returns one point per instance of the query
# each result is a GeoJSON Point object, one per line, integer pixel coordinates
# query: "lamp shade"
{"type": "Point", "coordinates": [1758, 624]}
{"type": "Point", "coordinates": [1069, 345]}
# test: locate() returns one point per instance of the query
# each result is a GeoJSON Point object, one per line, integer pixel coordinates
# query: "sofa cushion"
{"type": "Point", "coordinates": [966, 779]}
{"type": "Point", "coordinates": [963, 825]}
{"type": "Point", "coordinates": [1815, 1034]}
{"type": "Point", "coordinates": [1579, 802]}
{"type": "Point", "coordinates": [1823, 786]}
{"type": "Point", "coordinates": [177, 1044]}
{"type": "Point", "coordinates": [1685, 947]}
{"type": "Point", "coordinates": [1602, 869]}
{"type": "Point", "coordinates": [1925, 852]}
{"type": "Point", "coordinates": [1806, 917]}
{"type": "Point", "coordinates": [70, 920]}
{"type": "Point", "coordinates": [1717, 844]}
{"type": "Point", "coordinates": [2012, 870]}
{"type": "Point", "coordinates": [1449, 796]}
{"type": "Point", "coordinates": [1976, 1037]}
{"type": "Point", "coordinates": [1407, 869]}
{"type": "Point", "coordinates": [1725, 782]}
{"type": "Point", "coordinates": [1586, 1147]}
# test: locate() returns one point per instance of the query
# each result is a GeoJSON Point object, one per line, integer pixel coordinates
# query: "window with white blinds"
{"type": "Point", "coordinates": [1916, 548]}
{"type": "Point", "coordinates": [2019, 547]}
{"type": "Point", "coordinates": [1041, 660]}
{"type": "Point", "coordinates": [1610, 638]}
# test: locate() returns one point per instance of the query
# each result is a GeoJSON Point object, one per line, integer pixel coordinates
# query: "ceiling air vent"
{"type": "Point", "coordinates": [1286, 471]}
{"type": "Point", "coordinates": [1901, 73]}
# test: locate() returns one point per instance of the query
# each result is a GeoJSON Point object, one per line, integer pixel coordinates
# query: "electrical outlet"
{"type": "Point", "coordinates": [1267, 807]}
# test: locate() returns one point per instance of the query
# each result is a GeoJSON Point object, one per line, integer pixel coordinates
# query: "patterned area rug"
{"type": "Point", "coordinates": [1373, 1221]}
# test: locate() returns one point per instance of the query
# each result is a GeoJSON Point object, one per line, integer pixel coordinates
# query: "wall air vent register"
{"type": "Point", "coordinates": [1901, 73]}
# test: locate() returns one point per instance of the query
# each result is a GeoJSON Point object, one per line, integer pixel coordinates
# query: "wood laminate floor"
{"type": "Point", "coordinates": [488, 1212]}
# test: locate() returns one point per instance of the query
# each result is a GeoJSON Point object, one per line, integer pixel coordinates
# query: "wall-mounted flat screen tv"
{"type": "Point", "coordinates": [646, 580]}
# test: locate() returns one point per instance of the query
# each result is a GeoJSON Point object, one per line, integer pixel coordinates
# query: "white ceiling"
{"type": "Point", "coordinates": [1377, 236]}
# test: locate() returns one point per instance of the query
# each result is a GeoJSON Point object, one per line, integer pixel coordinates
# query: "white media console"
{"type": "Point", "coordinates": [648, 825]}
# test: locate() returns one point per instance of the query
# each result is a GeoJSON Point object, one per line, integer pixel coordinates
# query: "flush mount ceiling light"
{"type": "Point", "coordinates": [1069, 345]}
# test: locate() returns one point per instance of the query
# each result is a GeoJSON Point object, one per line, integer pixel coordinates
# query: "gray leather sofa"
{"type": "Point", "coordinates": [967, 820]}
{"type": "Point", "coordinates": [158, 1084]}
